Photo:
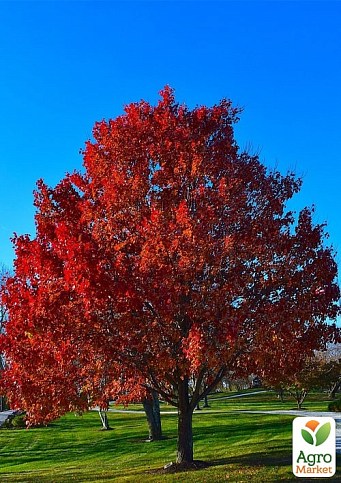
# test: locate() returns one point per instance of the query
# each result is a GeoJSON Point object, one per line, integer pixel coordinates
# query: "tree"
{"type": "Point", "coordinates": [336, 381]}
{"type": "Point", "coordinates": [299, 383]}
{"type": "Point", "coordinates": [51, 367]}
{"type": "Point", "coordinates": [172, 256]}
{"type": "Point", "coordinates": [328, 367]}
{"type": "Point", "coordinates": [299, 373]}
{"type": "Point", "coordinates": [151, 406]}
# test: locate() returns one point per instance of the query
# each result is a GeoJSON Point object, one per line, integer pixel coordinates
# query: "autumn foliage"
{"type": "Point", "coordinates": [171, 258]}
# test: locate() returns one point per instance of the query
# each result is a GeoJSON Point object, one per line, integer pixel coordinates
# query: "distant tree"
{"type": "Point", "coordinates": [173, 256]}
{"type": "Point", "coordinates": [328, 365]}
{"type": "Point", "coordinates": [317, 371]}
{"type": "Point", "coordinates": [151, 406]}
{"type": "Point", "coordinates": [297, 385]}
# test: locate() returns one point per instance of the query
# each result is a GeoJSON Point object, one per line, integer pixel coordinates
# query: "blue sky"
{"type": "Point", "coordinates": [65, 65]}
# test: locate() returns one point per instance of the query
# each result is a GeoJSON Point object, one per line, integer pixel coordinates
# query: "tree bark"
{"type": "Point", "coordinates": [103, 414]}
{"type": "Point", "coordinates": [151, 407]}
{"type": "Point", "coordinates": [280, 394]}
{"type": "Point", "coordinates": [185, 431]}
{"type": "Point", "coordinates": [334, 389]}
{"type": "Point", "coordinates": [300, 397]}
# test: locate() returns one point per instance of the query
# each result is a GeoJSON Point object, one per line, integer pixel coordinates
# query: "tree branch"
{"type": "Point", "coordinates": [196, 394]}
{"type": "Point", "coordinates": [156, 386]}
{"type": "Point", "coordinates": [221, 373]}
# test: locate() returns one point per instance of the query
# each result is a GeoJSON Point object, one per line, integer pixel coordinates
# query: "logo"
{"type": "Point", "coordinates": [316, 438]}
{"type": "Point", "coordinates": [313, 446]}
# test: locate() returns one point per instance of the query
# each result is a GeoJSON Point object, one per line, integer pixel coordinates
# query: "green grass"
{"type": "Point", "coordinates": [240, 446]}
{"type": "Point", "coordinates": [267, 401]}
{"type": "Point", "coordinates": [256, 401]}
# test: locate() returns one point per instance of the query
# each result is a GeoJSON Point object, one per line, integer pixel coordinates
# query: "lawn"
{"type": "Point", "coordinates": [240, 447]}
{"type": "Point", "coordinates": [267, 400]}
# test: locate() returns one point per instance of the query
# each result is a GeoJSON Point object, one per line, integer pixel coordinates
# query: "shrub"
{"type": "Point", "coordinates": [6, 424]}
{"type": "Point", "coordinates": [19, 421]}
{"type": "Point", "coordinates": [335, 405]}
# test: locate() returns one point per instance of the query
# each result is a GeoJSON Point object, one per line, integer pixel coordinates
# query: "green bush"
{"type": "Point", "coordinates": [335, 405]}
{"type": "Point", "coordinates": [15, 422]}
{"type": "Point", "coordinates": [19, 421]}
{"type": "Point", "coordinates": [7, 424]}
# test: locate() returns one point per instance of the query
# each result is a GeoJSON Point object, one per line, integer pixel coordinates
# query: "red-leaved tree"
{"type": "Point", "coordinates": [172, 259]}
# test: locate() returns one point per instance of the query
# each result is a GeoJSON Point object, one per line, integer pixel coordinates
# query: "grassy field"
{"type": "Point", "coordinates": [241, 447]}
{"type": "Point", "coordinates": [260, 400]}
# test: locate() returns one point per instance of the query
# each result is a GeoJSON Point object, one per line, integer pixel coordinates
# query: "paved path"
{"type": "Point", "coordinates": [237, 395]}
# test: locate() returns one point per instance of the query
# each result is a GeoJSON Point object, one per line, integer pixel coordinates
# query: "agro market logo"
{"type": "Point", "coordinates": [315, 436]}
{"type": "Point", "coordinates": [313, 447]}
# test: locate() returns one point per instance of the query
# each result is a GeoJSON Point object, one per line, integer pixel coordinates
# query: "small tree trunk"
{"type": "Point", "coordinates": [206, 405]}
{"type": "Point", "coordinates": [151, 407]}
{"type": "Point", "coordinates": [280, 394]}
{"type": "Point", "coordinates": [103, 414]}
{"type": "Point", "coordinates": [334, 389]}
{"type": "Point", "coordinates": [185, 431]}
{"type": "Point", "coordinates": [300, 397]}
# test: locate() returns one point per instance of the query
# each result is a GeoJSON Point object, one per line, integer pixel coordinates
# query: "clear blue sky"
{"type": "Point", "coordinates": [65, 65]}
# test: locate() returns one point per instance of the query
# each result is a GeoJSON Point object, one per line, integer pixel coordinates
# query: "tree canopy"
{"type": "Point", "coordinates": [172, 258]}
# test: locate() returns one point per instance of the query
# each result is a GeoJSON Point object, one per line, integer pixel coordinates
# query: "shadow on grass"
{"type": "Point", "coordinates": [241, 428]}
{"type": "Point", "coordinates": [277, 459]}
{"type": "Point", "coordinates": [255, 459]}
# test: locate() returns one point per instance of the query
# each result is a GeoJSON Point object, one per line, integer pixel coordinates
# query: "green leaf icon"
{"type": "Point", "coordinates": [307, 436]}
{"type": "Point", "coordinates": [322, 434]}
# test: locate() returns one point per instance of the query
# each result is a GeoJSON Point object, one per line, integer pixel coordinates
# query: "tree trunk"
{"type": "Point", "coordinates": [334, 389]}
{"type": "Point", "coordinates": [280, 394]}
{"type": "Point", "coordinates": [151, 407]}
{"type": "Point", "coordinates": [185, 432]}
{"type": "Point", "coordinates": [300, 397]}
{"type": "Point", "coordinates": [206, 405]}
{"type": "Point", "coordinates": [103, 414]}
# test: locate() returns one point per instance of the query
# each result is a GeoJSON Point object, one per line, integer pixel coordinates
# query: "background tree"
{"type": "Point", "coordinates": [298, 384]}
{"type": "Point", "coordinates": [328, 367]}
{"type": "Point", "coordinates": [175, 258]}
{"type": "Point", "coordinates": [58, 368]}
{"type": "Point", "coordinates": [151, 406]}
{"type": "Point", "coordinates": [300, 373]}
